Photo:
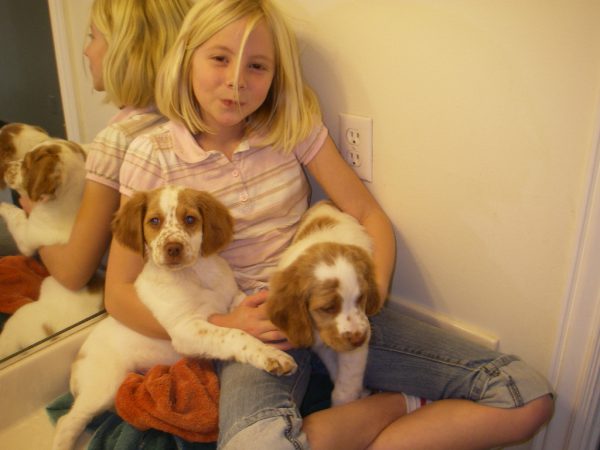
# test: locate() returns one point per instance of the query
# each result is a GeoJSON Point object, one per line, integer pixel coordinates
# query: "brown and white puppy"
{"type": "Point", "coordinates": [322, 292]}
{"type": "Point", "coordinates": [52, 174]}
{"type": "Point", "coordinates": [183, 282]}
{"type": "Point", "coordinates": [16, 139]}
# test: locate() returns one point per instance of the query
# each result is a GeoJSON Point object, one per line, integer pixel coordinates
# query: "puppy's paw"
{"type": "Point", "coordinates": [341, 396]}
{"type": "Point", "coordinates": [279, 363]}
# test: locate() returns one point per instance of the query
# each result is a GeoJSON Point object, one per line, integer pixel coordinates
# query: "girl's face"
{"type": "Point", "coordinates": [95, 51]}
{"type": "Point", "coordinates": [214, 75]}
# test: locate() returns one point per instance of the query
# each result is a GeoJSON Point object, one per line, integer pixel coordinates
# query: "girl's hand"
{"type": "Point", "coordinates": [251, 316]}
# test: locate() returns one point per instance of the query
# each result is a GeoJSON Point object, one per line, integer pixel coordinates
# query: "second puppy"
{"type": "Point", "coordinates": [322, 292]}
{"type": "Point", "coordinates": [183, 282]}
{"type": "Point", "coordinates": [52, 174]}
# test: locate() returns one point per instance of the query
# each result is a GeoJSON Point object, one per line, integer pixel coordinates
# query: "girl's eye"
{"type": "Point", "coordinates": [257, 67]}
{"type": "Point", "coordinates": [190, 220]}
{"type": "Point", "coordinates": [154, 221]}
{"type": "Point", "coordinates": [220, 59]}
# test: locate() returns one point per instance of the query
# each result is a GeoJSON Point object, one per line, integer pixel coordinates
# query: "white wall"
{"type": "Point", "coordinates": [485, 115]}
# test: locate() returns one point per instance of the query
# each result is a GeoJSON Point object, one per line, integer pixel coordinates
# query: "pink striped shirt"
{"type": "Point", "coordinates": [265, 190]}
{"type": "Point", "coordinates": [107, 151]}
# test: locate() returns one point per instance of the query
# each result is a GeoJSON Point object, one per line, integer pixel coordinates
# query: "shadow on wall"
{"type": "Point", "coordinates": [327, 79]}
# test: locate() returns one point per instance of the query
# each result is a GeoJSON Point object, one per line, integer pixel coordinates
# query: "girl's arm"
{"type": "Point", "coordinates": [74, 263]}
{"type": "Point", "coordinates": [346, 190]}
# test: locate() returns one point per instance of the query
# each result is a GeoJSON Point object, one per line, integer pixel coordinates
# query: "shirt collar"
{"type": "Point", "coordinates": [187, 148]}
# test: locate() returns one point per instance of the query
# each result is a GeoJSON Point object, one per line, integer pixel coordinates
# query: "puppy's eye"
{"type": "Point", "coordinates": [154, 221]}
{"type": "Point", "coordinates": [329, 309]}
{"type": "Point", "coordinates": [189, 220]}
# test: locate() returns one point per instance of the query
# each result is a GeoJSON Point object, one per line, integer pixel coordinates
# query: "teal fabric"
{"type": "Point", "coordinates": [112, 433]}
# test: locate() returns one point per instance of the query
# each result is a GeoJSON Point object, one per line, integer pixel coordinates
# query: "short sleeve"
{"type": "Point", "coordinates": [141, 169]}
{"type": "Point", "coordinates": [105, 156]}
{"type": "Point", "coordinates": [308, 149]}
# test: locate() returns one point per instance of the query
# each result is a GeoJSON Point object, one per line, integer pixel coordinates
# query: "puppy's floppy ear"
{"type": "Point", "coordinates": [43, 176]}
{"type": "Point", "coordinates": [365, 270]}
{"type": "Point", "coordinates": [217, 223]}
{"type": "Point", "coordinates": [287, 305]}
{"type": "Point", "coordinates": [128, 223]}
{"type": "Point", "coordinates": [374, 303]}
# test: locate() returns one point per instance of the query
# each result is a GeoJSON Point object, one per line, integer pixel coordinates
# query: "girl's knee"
{"type": "Point", "coordinates": [531, 417]}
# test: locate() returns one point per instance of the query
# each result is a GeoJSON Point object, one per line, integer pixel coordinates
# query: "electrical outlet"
{"type": "Point", "coordinates": [356, 144]}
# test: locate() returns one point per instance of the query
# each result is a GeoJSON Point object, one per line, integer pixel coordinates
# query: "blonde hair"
{"type": "Point", "coordinates": [287, 115]}
{"type": "Point", "coordinates": [138, 34]}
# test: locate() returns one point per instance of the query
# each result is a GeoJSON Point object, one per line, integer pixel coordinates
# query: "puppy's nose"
{"type": "Point", "coordinates": [174, 249]}
{"type": "Point", "coordinates": [355, 338]}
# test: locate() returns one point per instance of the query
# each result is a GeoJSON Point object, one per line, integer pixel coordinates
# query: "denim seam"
{"type": "Point", "coordinates": [492, 370]}
{"type": "Point", "coordinates": [289, 435]}
{"type": "Point", "coordinates": [263, 414]}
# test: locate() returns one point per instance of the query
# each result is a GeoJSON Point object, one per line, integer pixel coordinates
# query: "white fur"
{"type": "Point", "coordinates": [181, 299]}
{"type": "Point", "coordinates": [56, 309]}
{"type": "Point", "coordinates": [50, 222]}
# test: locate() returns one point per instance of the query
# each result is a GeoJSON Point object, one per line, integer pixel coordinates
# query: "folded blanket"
{"type": "Point", "coordinates": [181, 399]}
{"type": "Point", "coordinates": [113, 433]}
{"type": "Point", "coordinates": [20, 281]}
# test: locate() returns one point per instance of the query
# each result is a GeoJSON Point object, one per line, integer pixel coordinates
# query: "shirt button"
{"type": "Point", "coordinates": [235, 173]}
{"type": "Point", "coordinates": [244, 197]}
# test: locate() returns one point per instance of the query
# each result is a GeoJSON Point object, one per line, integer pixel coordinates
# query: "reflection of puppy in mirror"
{"type": "Point", "coordinates": [184, 281]}
{"type": "Point", "coordinates": [16, 139]}
{"type": "Point", "coordinates": [52, 174]}
{"type": "Point", "coordinates": [56, 309]}
{"type": "Point", "coordinates": [323, 290]}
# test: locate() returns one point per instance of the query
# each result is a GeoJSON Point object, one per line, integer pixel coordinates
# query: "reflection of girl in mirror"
{"type": "Point", "coordinates": [128, 39]}
{"type": "Point", "coordinates": [244, 126]}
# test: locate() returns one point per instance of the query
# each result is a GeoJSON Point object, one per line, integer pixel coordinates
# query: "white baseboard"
{"type": "Point", "coordinates": [435, 318]}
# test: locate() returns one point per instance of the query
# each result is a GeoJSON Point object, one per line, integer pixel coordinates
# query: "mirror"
{"type": "Point", "coordinates": [35, 66]}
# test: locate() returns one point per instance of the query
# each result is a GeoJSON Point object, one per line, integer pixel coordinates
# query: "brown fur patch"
{"type": "Point", "coordinates": [41, 173]}
{"type": "Point", "coordinates": [9, 134]}
{"type": "Point", "coordinates": [317, 224]}
{"type": "Point", "coordinates": [127, 225]}
{"type": "Point", "coordinates": [298, 301]}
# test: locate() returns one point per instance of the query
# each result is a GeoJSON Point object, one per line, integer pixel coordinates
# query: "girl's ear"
{"type": "Point", "coordinates": [217, 223]}
{"type": "Point", "coordinates": [287, 305]}
{"type": "Point", "coordinates": [128, 223]}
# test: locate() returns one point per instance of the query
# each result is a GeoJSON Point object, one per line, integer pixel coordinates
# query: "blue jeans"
{"type": "Point", "coordinates": [260, 411]}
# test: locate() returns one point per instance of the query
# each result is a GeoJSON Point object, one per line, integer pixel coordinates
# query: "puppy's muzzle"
{"type": "Point", "coordinates": [355, 338]}
{"type": "Point", "coordinates": [173, 253]}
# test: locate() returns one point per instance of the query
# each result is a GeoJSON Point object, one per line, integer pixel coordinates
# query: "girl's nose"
{"type": "Point", "coordinates": [236, 80]}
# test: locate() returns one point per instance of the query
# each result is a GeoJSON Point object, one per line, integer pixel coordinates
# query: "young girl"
{"type": "Point", "coordinates": [128, 40]}
{"type": "Point", "coordinates": [243, 127]}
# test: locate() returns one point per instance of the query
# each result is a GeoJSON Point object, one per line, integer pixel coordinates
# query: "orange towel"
{"type": "Point", "coordinates": [20, 281]}
{"type": "Point", "coordinates": [181, 399]}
